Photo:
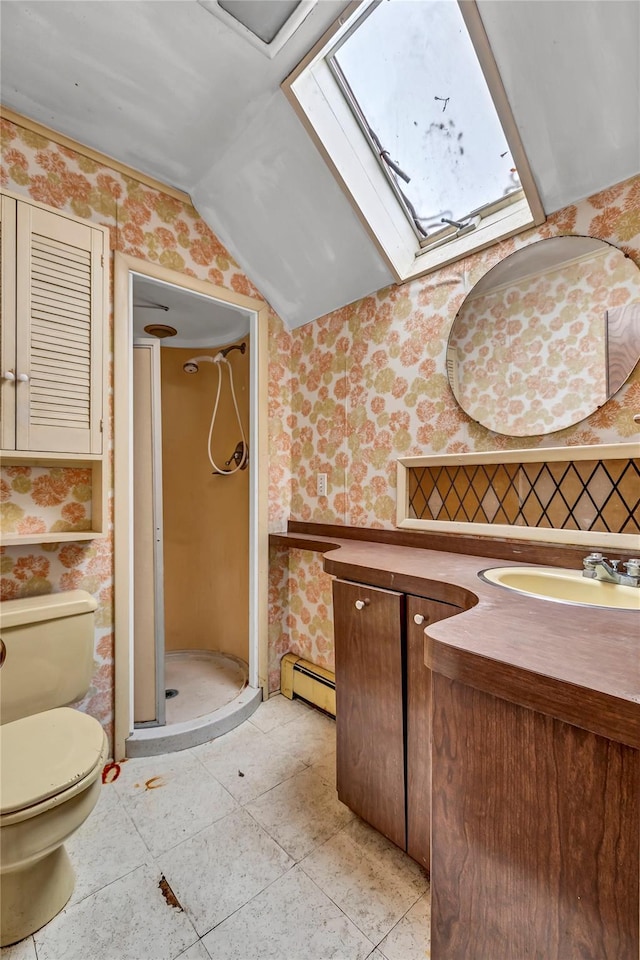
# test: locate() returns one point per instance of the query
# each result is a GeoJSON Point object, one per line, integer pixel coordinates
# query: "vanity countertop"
{"type": "Point", "coordinates": [577, 663]}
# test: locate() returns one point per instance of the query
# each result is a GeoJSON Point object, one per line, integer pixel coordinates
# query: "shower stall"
{"type": "Point", "coordinates": [191, 469]}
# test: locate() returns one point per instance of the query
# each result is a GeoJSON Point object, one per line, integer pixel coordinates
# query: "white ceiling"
{"type": "Point", "coordinates": [199, 321]}
{"type": "Point", "coordinates": [169, 89]}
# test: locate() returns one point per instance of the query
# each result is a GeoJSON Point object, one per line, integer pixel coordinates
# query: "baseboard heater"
{"type": "Point", "coordinates": [305, 680]}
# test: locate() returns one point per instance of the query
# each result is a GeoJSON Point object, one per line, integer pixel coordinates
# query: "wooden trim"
{"type": "Point", "coordinates": [9, 219]}
{"type": "Point", "coordinates": [594, 451]}
{"type": "Point", "coordinates": [583, 538]}
{"type": "Point", "coordinates": [17, 540]}
{"type": "Point", "coordinates": [260, 348]}
{"type": "Point", "coordinates": [484, 53]}
{"type": "Point", "coordinates": [62, 140]}
{"type": "Point", "coordinates": [122, 520]}
{"type": "Point", "coordinates": [402, 493]}
{"type": "Point", "coordinates": [324, 537]}
{"type": "Point", "coordinates": [124, 266]}
{"type": "Point", "coordinates": [49, 459]}
{"type": "Point", "coordinates": [157, 272]}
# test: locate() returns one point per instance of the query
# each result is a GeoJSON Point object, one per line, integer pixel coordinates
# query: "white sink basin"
{"type": "Point", "coordinates": [564, 586]}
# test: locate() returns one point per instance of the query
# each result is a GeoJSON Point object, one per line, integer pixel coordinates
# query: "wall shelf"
{"type": "Point", "coordinates": [96, 463]}
{"type": "Point", "coordinates": [584, 495]}
{"type": "Point", "coordinates": [64, 536]}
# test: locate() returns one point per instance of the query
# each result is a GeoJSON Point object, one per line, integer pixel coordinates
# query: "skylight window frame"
{"type": "Point", "coordinates": [352, 101]}
{"type": "Point", "coordinates": [272, 47]}
{"type": "Point", "coordinates": [319, 99]}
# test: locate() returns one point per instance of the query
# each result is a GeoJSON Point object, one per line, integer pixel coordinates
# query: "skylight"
{"type": "Point", "coordinates": [266, 24]}
{"type": "Point", "coordinates": [398, 99]}
{"type": "Point", "coordinates": [434, 117]}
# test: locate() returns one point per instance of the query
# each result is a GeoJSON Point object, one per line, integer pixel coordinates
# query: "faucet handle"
{"type": "Point", "coordinates": [592, 559]}
{"type": "Point", "coordinates": [632, 566]}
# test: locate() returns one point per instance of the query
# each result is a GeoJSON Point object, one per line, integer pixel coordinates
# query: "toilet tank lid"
{"type": "Point", "coordinates": [51, 606]}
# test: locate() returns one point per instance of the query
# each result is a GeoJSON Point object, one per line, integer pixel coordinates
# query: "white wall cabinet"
{"type": "Point", "coordinates": [53, 325]}
{"type": "Point", "coordinates": [53, 344]}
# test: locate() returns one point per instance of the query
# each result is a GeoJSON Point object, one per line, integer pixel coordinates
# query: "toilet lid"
{"type": "Point", "coordinates": [44, 754]}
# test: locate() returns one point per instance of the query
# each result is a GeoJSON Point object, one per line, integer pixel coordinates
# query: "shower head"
{"type": "Point", "coordinates": [193, 365]}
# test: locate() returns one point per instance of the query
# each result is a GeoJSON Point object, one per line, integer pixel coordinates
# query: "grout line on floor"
{"type": "Point", "coordinates": [329, 897]}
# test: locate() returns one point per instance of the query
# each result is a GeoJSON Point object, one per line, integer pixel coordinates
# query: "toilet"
{"type": "Point", "coordinates": [51, 756]}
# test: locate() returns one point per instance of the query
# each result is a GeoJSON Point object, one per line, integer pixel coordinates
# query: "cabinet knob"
{"type": "Point", "coordinates": [418, 618]}
{"type": "Point", "coordinates": [23, 377]}
{"type": "Point", "coordinates": [361, 604]}
{"type": "Point", "coordinates": [8, 375]}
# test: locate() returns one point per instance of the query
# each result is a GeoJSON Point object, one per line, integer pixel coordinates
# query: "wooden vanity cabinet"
{"type": "Point", "coordinates": [536, 834]}
{"type": "Point", "coordinates": [383, 710]}
{"type": "Point", "coordinates": [420, 612]}
{"type": "Point", "coordinates": [370, 666]}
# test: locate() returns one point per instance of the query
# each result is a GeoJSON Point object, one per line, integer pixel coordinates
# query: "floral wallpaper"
{"type": "Point", "coordinates": [44, 500]}
{"type": "Point", "coordinates": [300, 610]}
{"type": "Point", "coordinates": [369, 384]}
{"type": "Point", "coordinates": [145, 223]}
{"type": "Point", "coordinates": [348, 393]}
{"type": "Point", "coordinates": [534, 358]}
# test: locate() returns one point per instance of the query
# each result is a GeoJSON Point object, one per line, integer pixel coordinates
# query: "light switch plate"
{"type": "Point", "coordinates": [321, 484]}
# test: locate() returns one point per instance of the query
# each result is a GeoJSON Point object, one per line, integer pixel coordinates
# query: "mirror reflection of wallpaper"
{"type": "Point", "coordinates": [533, 358]}
{"type": "Point", "coordinates": [623, 343]}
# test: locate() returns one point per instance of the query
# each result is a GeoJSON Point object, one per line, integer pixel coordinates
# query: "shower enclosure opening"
{"type": "Point", "coordinates": [191, 513]}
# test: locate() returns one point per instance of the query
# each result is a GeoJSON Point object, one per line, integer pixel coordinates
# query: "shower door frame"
{"type": "Point", "coordinates": [125, 266]}
{"type": "Point", "coordinates": [153, 345]}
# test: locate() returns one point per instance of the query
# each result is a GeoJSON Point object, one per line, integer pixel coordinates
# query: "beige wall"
{"type": "Point", "coordinates": [206, 517]}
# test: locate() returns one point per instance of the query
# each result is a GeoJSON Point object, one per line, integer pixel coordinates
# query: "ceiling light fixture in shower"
{"type": "Point", "coordinates": [160, 330]}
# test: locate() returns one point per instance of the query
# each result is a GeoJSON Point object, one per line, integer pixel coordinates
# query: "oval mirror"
{"type": "Point", "coordinates": [546, 336]}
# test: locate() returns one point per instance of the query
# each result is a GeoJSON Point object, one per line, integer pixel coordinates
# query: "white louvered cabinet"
{"type": "Point", "coordinates": [53, 340]}
{"type": "Point", "coordinates": [52, 346]}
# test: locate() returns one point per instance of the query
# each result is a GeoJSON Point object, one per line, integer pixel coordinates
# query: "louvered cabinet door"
{"type": "Point", "coordinates": [7, 323]}
{"type": "Point", "coordinates": [59, 333]}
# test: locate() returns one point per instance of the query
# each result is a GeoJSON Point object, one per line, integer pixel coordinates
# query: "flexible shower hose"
{"type": "Point", "coordinates": [219, 361]}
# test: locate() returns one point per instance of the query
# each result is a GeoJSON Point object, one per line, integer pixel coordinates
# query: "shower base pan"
{"type": "Point", "coordinates": [208, 695]}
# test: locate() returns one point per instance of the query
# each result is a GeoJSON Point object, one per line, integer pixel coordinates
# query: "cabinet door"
{"type": "Point", "coordinates": [59, 333]}
{"type": "Point", "coordinates": [420, 613]}
{"type": "Point", "coordinates": [7, 322]}
{"type": "Point", "coordinates": [369, 705]}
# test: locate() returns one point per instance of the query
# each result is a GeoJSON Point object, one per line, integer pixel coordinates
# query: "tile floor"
{"type": "Point", "coordinates": [234, 850]}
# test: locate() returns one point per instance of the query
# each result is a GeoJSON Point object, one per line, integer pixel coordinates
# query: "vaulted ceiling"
{"type": "Point", "coordinates": [167, 88]}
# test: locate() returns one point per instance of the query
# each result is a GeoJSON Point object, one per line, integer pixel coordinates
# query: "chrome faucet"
{"type": "Point", "coordinates": [598, 567]}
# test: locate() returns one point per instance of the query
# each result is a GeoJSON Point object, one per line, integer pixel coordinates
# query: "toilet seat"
{"type": "Point", "coordinates": [45, 755]}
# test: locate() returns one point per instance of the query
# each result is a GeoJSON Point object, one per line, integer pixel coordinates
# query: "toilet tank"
{"type": "Point", "coordinates": [48, 652]}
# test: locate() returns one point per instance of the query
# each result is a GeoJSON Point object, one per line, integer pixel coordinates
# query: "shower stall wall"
{"type": "Point", "coordinates": [206, 516]}
{"type": "Point", "coordinates": [191, 580]}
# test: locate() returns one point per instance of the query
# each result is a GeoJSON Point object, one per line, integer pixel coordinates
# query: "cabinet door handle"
{"type": "Point", "coordinates": [418, 618]}
{"type": "Point", "coordinates": [361, 604]}
{"type": "Point", "coordinates": [23, 377]}
{"type": "Point", "coordinates": [9, 375]}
